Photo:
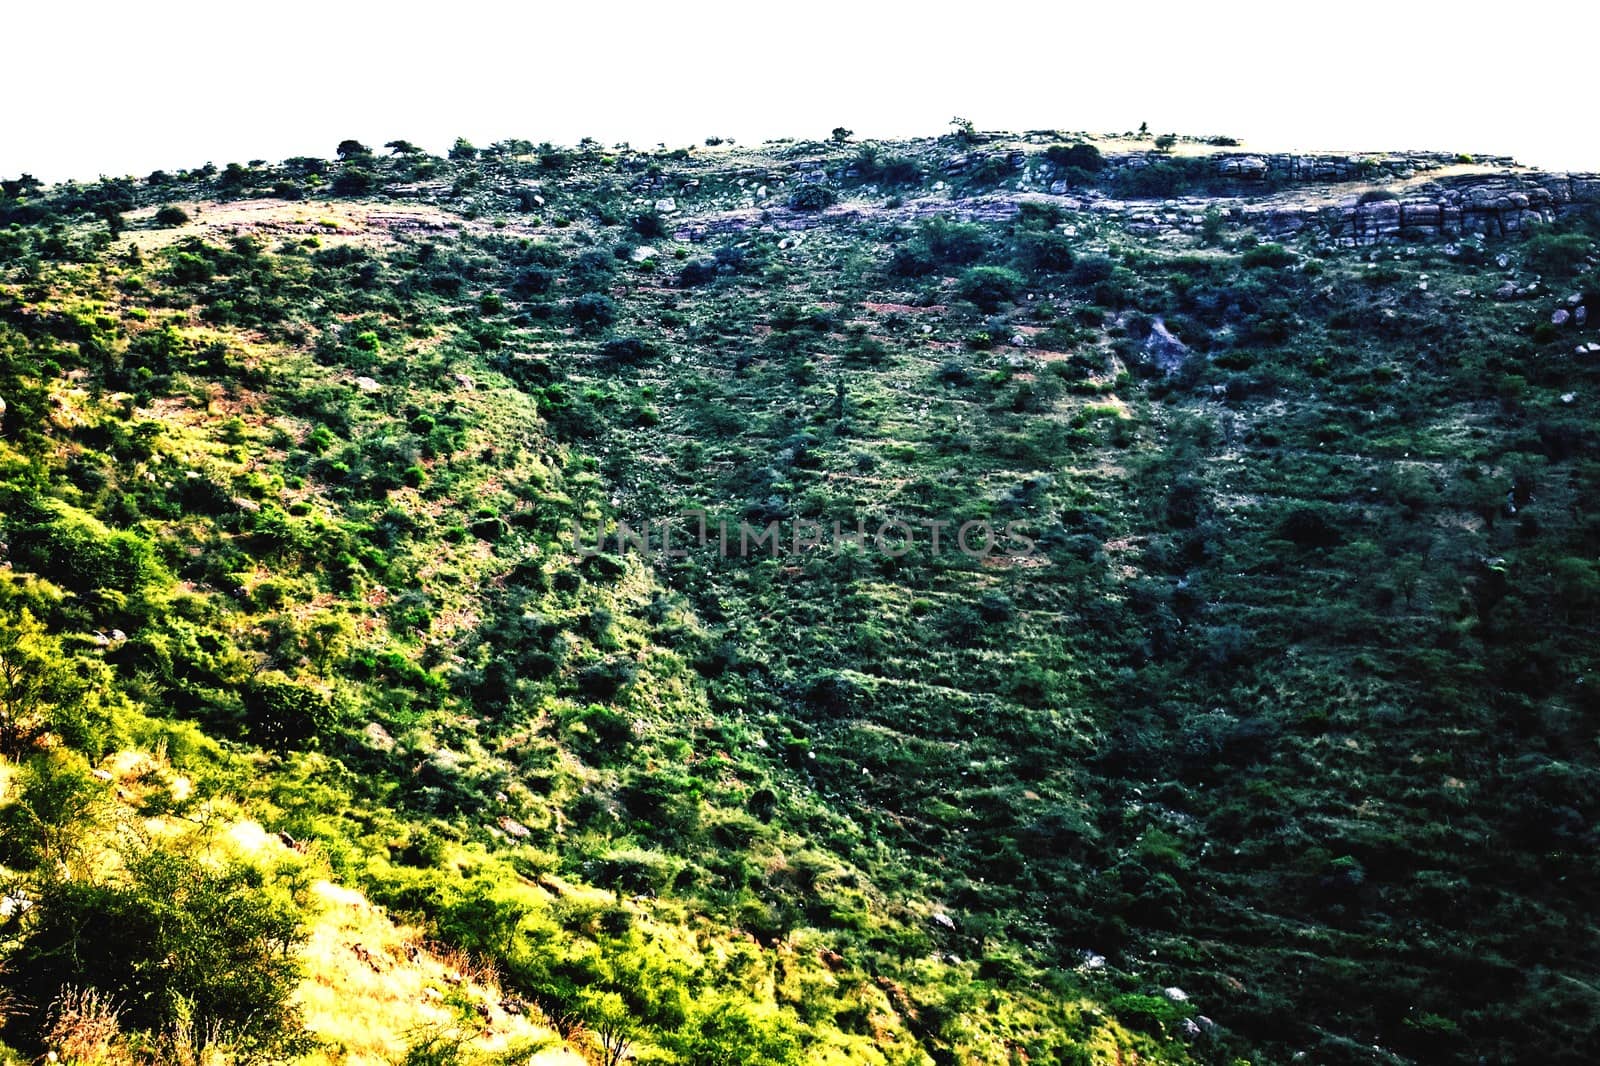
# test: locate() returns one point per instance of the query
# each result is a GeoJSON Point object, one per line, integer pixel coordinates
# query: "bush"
{"type": "Point", "coordinates": [171, 216]}
{"type": "Point", "coordinates": [1085, 157]}
{"type": "Point", "coordinates": [989, 287]}
{"type": "Point", "coordinates": [955, 243]}
{"type": "Point", "coordinates": [812, 197]}
{"type": "Point", "coordinates": [648, 224]}
{"type": "Point", "coordinates": [171, 942]}
{"type": "Point", "coordinates": [74, 549]}
{"type": "Point", "coordinates": [1556, 253]}
{"type": "Point", "coordinates": [1043, 251]}
{"type": "Point", "coordinates": [282, 714]}
{"type": "Point", "coordinates": [354, 181]}
{"type": "Point", "coordinates": [1275, 256]}
{"type": "Point", "coordinates": [594, 310]}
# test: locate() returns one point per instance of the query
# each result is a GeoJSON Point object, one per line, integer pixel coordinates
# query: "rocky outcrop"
{"type": "Point", "coordinates": [1491, 203]}
{"type": "Point", "coordinates": [1495, 205]}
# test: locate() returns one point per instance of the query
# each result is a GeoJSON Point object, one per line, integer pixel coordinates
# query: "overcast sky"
{"type": "Point", "coordinates": [98, 89]}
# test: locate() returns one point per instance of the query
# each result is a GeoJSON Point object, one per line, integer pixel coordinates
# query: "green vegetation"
{"type": "Point", "coordinates": [1281, 741]}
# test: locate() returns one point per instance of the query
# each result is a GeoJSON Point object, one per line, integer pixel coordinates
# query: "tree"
{"type": "Point", "coordinates": [351, 148]}
{"type": "Point", "coordinates": [463, 151]}
{"type": "Point", "coordinates": [963, 129]}
{"type": "Point", "coordinates": [608, 1017]}
{"type": "Point", "coordinates": [1165, 142]}
{"type": "Point", "coordinates": [840, 135]}
{"type": "Point", "coordinates": [400, 147]}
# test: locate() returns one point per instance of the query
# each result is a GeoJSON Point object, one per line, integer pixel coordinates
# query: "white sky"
{"type": "Point", "coordinates": [129, 87]}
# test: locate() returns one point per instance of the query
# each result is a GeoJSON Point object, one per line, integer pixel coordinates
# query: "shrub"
{"type": "Point", "coordinates": [989, 287]}
{"type": "Point", "coordinates": [354, 181]}
{"type": "Point", "coordinates": [628, 350]}
{"type": "Point", "coordinates": [594, 310]}
{"type": "Point", "coordinates": [1044, 251]}
{"type": "Point", "coordinates": [1085, 157]}
{"type": "Point", "coordinates": [171, 215]}
{"type": "Point", "coordinates": [648, 224]}
{"type": "Point", "coordinates": [1556, 253]}
{"type": "Point", "coordinates": [1275, 256]}
{"type": "Point", "coordinates": [173, 943]}
{"type": "Point", "coordinates": [955, 243]}
{"type": "Point", "coordinates": [76, 550]}
{"type": "Point", "coordinates": [813, 196]}
{"type": "Point", "coordinates": [282, 714]}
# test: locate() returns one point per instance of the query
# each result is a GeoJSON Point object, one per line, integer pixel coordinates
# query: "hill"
{"type": "Point", "coordinates": [991, 598]}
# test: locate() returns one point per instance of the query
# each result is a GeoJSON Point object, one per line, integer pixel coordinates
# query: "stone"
{"type": "Point", "coordinates": [1580, 316]}
{"type": "Point", "coordinates": [641, 253]}
{"type": "Point", "coordinates": [378, 737]}
{"type": "Point", "coordinates": [1175, 994]}
{"type": "Point", "coordinates": [1165, 351]}
{"type": "Point", "coordinates": [515, 829]}
{"type": "Point", "coordinates": [942, 919]}
{"type": "Point", "coordinates": [1561, 317]}
{"type": "Point", "coordinates": [1191, 1028]}
{"type": "Point", "coordinates": [366, 384]}
{"type": "Point", "coordinates": [666, 205]}
{"type": "Point", "coordinates": [1508, 291]}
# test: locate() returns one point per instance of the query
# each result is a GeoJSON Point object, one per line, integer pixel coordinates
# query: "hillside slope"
{"type": "Point", "coordinates": [1243, 707]}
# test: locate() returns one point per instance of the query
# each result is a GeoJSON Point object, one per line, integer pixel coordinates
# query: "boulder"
{"type": "Point", "coordinates": [1163, 350]}
{"type": "Point", "coordinates": [1561, 317]}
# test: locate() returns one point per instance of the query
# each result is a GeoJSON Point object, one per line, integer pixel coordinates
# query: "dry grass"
{"type": "Point", "coordinates": [83, 1026]}
{"type": "Point", "coordinates": [373, 988]}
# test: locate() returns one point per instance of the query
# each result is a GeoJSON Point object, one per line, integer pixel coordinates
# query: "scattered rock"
{"type": "Point", "coordinates": [641, 253]}
{"type": "Point", "coordinates": [1560, 318]}
{"type": "Point", "coordinates": [666, 206]}
{"type": "Point", "coordinates": [1508, 291]}
{"type": "Point", "coordinates": [1581, 315]}
{"type": "Point", "coordinates": [366, 384]}
{"type": "Point", "coordinates": [515, 829]}
{"type": "Point", "coordinates": [1175, 994]}
{"type": "Point", "coordinates": [943, 919]}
